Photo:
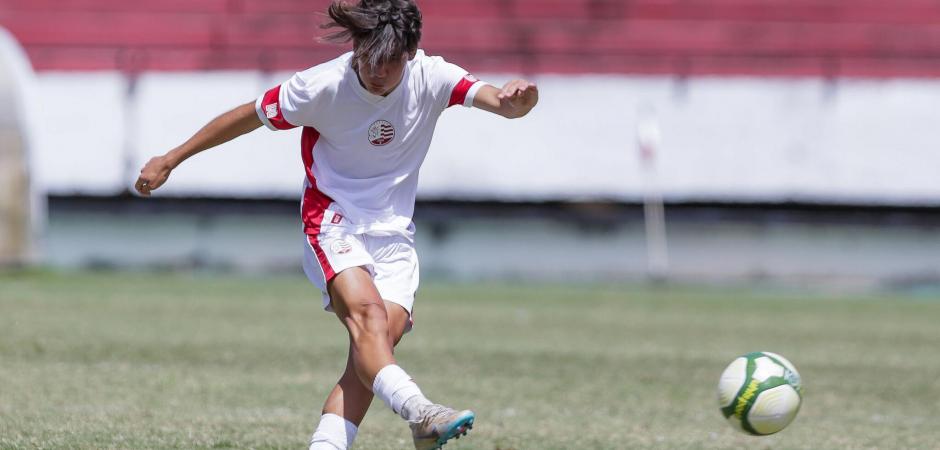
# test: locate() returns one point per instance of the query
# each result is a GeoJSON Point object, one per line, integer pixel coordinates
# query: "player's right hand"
{"type": "Point", "coordinates": [153, 175]}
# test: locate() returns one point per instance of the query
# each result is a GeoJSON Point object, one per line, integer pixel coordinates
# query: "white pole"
{"type": "Point", "coordinates": [648, 143]}
{"type": "Point", "coordinates": [22, 205]}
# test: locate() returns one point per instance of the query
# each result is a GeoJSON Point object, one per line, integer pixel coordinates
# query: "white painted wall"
{"type": "Point", "coordinates": [171, 107]}
{"type": "Point", "coordinates": [79, 133]}
{"type": "Point", "coordinates": [726, 139]}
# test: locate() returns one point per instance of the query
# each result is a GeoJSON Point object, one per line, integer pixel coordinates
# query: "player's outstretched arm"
{"type": "Point", "coordinates": [222, 129]}
{"type": "Point", "coordinates": [514, 100]}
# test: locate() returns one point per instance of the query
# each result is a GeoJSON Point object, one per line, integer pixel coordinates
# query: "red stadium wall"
{"type": "Point", "coordinates": [876, 38]}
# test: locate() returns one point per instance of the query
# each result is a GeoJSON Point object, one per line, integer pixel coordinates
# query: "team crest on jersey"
{"type": "Point", "coordinates": [340, 247]}
{"type": "Point", "coordinates": [381, 132]}
{"type": "Point", "coordinates": [270, 111]}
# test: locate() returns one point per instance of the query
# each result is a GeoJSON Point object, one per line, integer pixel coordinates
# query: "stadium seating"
{"type": "Point", "coordinates": [685, 37]}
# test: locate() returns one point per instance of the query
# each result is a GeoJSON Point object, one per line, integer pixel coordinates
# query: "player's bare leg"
{"type": "Point", "coordinates": [350, 398]}
{"type": "Point", "coordinates": [358, 305]}
{"type": "Point", "coordinates": [349, 401]}
{"type": "Point", "coordinates": [360, 308]}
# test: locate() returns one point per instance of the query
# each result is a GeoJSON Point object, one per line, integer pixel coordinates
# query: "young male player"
{"type": "Point", "coordinates": [367, 118]}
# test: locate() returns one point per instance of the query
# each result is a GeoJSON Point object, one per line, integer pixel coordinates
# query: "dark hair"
{"type": "Point", "coordinates": [381, 30]}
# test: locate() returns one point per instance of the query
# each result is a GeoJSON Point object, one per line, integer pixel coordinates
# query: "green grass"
{"type": "Point", "coordinates": [170, 361]}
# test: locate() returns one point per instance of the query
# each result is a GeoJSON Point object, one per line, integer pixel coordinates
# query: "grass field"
{"type": "Point", "coordinates": [171, 361]}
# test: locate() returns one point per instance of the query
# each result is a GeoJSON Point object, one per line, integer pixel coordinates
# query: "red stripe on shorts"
{"type": "Point", "coordinates": [328, 272]}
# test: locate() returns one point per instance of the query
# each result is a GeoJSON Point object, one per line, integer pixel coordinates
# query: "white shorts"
{"type": "Point", "coordinates": [391, 260]}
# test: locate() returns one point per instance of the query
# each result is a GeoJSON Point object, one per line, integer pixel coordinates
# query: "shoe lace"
{"type": "Point", "coordinates": [432, 413]}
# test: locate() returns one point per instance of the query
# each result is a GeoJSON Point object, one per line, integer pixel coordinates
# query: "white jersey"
{"type": "Point", "coordinates": [362, 151]}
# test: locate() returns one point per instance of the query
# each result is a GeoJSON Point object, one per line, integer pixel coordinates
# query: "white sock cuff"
{"type": "Point", "coordinates": [336, 431]}
{"type": "Point", "coordinates": [324, 445]}
{"type": "Point", "coordinates": [394, 387]}
{"type": "Point", "coordinates": [388, 377]}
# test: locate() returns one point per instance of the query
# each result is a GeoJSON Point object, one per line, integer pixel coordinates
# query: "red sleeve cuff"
{"type": "Point", "coordinates": [269, 110]}
{"type": "Point", "coordinates": [459, 95]}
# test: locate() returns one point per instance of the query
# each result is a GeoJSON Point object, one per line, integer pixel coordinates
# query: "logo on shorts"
{"type": "Point", "coordinates": [381, 132]}
{"type": "Point", "coordinates": [270, 111]}
{"type": "Point", "coordinates": [340, 247]}
{"type": "Point", "coordinates": [337, 218]}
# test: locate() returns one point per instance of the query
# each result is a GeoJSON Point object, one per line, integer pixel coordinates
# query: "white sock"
{"type": "Point", "coordinates": [333, 433]}
{"type": "Point", "coordinates": [399, 392]}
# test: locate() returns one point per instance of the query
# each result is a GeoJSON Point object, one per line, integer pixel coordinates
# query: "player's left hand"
{"type": "Point", "coordinates": [522, 95]}
{"type": "Point", "coordinates": [153, 175]}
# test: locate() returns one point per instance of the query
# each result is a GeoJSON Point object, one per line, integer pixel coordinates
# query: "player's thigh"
{"type": "Point", "coordinates": [343, 267]}
{"type": "Point", "coordinates": [352, 292]}
{"type": "Point", "coordinates": [353, 288]}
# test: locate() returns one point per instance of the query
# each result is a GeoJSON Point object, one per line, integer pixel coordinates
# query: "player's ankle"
{"type": "Point", "coordinates": [413, 407]}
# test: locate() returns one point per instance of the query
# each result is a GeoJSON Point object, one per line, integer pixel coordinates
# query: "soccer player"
{"type": "Point", "coordinates": [367, 118]}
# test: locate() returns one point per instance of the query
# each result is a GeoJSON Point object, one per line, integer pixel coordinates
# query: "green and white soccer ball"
{"type": "Point", "coordinates": [760, 393]}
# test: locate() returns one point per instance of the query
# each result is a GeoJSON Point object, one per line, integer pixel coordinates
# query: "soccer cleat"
{"type": "Point", "coordinates": [439, 424]}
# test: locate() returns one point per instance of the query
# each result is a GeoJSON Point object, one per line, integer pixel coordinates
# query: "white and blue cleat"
{"type": "Point", "coordinates": [439, 424]}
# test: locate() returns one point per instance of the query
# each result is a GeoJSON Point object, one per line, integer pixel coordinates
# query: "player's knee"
{"type": "Point", "coordinates": [368, 321]}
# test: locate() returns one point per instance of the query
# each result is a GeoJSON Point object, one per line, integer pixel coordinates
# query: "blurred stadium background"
{"type": "Point", "coordinates": [793, 144]}
{"type": "Point", "coordinates": [795, 138]}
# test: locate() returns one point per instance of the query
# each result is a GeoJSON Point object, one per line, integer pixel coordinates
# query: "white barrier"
{"type": "Point", "coordinates": [80, 133]}
{"type": "Point", "coordinates": [723, 139]}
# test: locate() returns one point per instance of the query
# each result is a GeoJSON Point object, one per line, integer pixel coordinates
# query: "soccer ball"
{"type": "Point", "coordinates": [760, 393]}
